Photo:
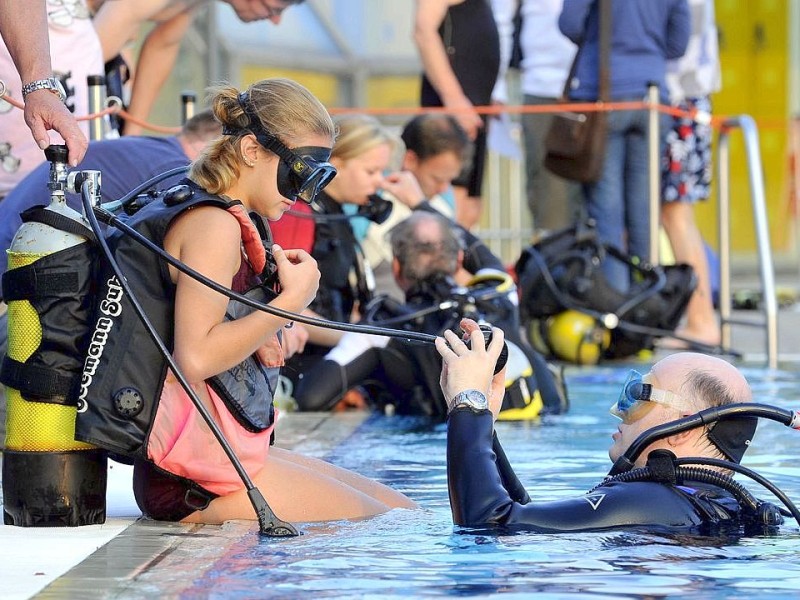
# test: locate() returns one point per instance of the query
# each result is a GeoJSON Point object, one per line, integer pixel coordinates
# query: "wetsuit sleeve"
{"type": "Point", "coordinates": [478, 497]}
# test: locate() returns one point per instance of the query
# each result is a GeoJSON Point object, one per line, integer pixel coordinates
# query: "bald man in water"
{"type": "Point", "coordinates": [696, 382]}
{"type": "Point", "coordinates": [485, 492]}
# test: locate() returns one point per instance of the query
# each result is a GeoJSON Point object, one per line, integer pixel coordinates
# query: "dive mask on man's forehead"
{"type": "Point", "coordinates": [636, 390]}
{"type": "Point", "coordinates": [302, 172]}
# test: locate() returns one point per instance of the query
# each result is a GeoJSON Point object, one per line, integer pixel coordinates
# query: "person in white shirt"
{"type": "Point", "coordinates": [546, 57]}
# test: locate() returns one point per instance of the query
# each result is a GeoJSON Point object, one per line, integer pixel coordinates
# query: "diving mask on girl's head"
{"type": "Point", "coordinates": [635, 391]}
{"type": "Point", "coordinates": [302, 172]}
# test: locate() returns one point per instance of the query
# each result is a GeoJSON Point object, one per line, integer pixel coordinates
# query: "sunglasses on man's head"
{"type": "Point", "coordinates": [635, 392]}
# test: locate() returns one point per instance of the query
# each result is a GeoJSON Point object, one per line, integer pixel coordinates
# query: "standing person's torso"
{"type": "Point", "coordinates": [470, 37]}
{"type": "Point", "coordinates": [546, 53]}
{"type": "Point", "coordinates": [644, 35]}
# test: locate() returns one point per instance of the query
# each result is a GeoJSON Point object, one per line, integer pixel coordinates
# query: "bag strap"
{"type": "Point", "coordinates": [40, 214]}
{"type": "Point", "coordinates": [604, 82]}
{"type": "Point", "coordinates": [572, 69]}
{"type": "Point", "coordinates": [38, 383]}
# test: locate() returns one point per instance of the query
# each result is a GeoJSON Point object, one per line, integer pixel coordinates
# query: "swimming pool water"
{"type": "Point", "coordinates": [413, 554]}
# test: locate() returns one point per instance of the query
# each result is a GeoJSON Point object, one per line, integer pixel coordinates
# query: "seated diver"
{"type": "Point", "coordinates": [362, 151]}
{"type": "Point", "coordinates": [229, 355]}
{"type": "Point", "coordinates": [427, 255]}
{"type": "Point", "coordinates": [436, 148]}
{"type": "Point", "coordinates": [485, 492]}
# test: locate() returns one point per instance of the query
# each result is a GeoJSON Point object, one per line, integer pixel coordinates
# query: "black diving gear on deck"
{"type": "Point", "coordinates": [664, 495]}
{"type": "Point", "coordinates": [407, 377]}
{"type": "Point", "coordinates": [563, 272]}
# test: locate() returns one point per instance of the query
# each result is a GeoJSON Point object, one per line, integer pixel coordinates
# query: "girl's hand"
{"type": "Point", "coordinates": [298, 274]}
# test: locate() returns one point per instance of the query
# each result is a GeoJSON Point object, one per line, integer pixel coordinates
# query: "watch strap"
{"type": "Point", "coordinates": [50, 84]}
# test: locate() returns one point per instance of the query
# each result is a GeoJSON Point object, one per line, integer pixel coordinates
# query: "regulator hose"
{"type": "Point", "coordinates": [683, 473]}
{"type": "Point", "coordinates": [790, 418]}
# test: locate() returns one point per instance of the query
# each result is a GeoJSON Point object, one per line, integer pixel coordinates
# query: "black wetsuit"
{"type": "Point", "coordinates": [407, 375]}
{"type": "Point", "coordinates": [482, 494]}
{"type": "Point", "coordinates": [337, 254]}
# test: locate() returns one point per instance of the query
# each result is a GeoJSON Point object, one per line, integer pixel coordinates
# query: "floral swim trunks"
{"type": "Point", "coordinates": [686, 165]}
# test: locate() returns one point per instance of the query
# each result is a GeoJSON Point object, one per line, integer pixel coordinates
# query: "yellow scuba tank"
{"type": "Point", "coordinates": [577, 337]}
{"type": "Point", "coordinates": [49, 479]}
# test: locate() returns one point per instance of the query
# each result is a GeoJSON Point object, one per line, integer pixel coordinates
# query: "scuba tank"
{"type": "Point", "coordinates": [49, 478]}
{"type": "Point", "coordinates": [570, 335]}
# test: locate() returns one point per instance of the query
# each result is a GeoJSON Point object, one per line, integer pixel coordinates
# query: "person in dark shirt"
{"type": "Point", "coordinates": [427, 254]}
{"type": "Point", "coordinates": [485, 492]}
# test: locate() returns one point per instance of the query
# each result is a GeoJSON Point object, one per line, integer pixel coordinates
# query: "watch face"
{"type": "Point", "coordinates": [472, 399]}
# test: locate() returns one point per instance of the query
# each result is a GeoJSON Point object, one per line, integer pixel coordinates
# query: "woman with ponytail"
{"type": "Point", "coordinates": [274, 150]}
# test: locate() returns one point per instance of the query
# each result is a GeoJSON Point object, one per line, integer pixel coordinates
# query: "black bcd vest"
{"type": "Point", "coordinates": [124, 372]}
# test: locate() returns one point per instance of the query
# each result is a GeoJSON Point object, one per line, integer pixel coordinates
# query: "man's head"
{"type": "Point", "coordinates": [424, 246]}
{"type": "Point", "coordinates": [198, 131]}
{"type": "Point", "coordinates": [257, 10]}
{"type": "Point", "coordinates": [683, 384]}
{"type": "Point", "coordinates": [436, 149]}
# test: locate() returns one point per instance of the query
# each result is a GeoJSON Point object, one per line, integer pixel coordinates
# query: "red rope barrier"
{"type": "Point", "coordinates": [496, 109]}
{"type": "Point", "coordinates": [159, 128]}
{"type": "Point", "coordinates": [109, 110]}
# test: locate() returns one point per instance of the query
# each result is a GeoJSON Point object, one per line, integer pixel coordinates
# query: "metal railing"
{"type": "Point", "coordinates": [759, 205]}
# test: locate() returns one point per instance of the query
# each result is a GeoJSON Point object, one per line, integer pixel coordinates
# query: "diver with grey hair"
{"type": "Point", "coordinates": [427, 253]}
{"type": "Point", "coordinates": [484, 490]}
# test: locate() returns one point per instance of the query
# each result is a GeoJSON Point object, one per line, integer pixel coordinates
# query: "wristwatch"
{"type": "Point", "coordinates": [472, 399]}
{"type": "Point", "coordinates": [51, 84]}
